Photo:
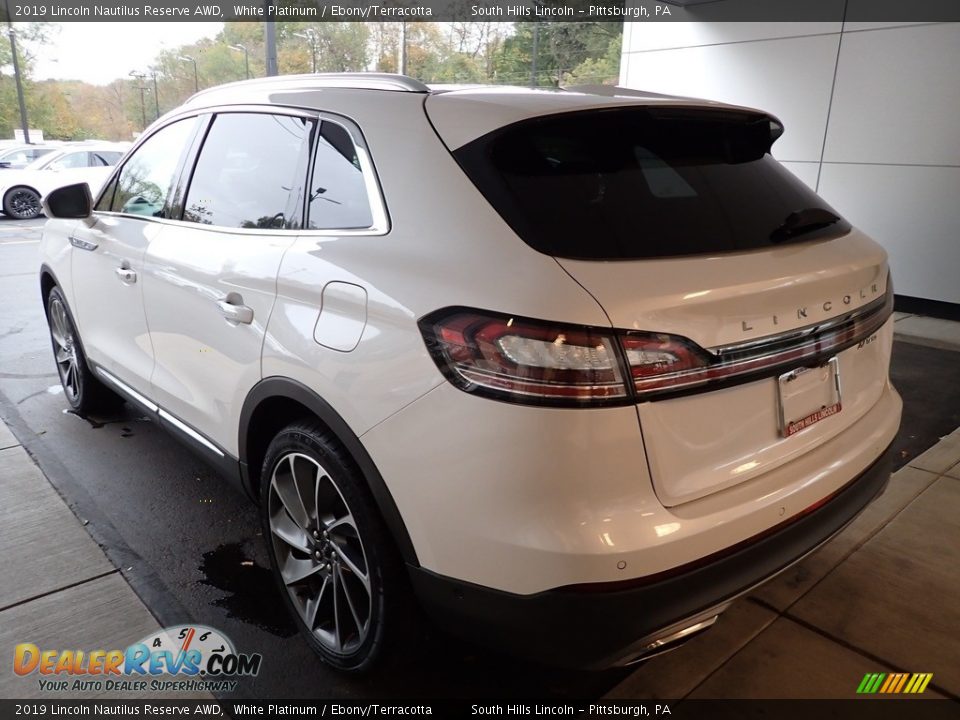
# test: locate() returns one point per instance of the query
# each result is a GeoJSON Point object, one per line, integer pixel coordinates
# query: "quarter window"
{"type": "Point", "coordinates": [250, 172]}
{"type": "Point", "coordinates": [102, 158]}
{"type": "Point", "coordinates": [147, 176]}
{"type": "Point", "coordinates": [338, 192]}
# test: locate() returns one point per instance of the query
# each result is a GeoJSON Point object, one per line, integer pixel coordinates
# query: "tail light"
{"type": "Point", "coordinates": [538, 363]}
{"type": "Point", "coordinates": [526, 360]}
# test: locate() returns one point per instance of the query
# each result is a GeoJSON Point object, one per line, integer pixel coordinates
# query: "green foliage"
{"type": "Point", "coordinates": [562, 47]}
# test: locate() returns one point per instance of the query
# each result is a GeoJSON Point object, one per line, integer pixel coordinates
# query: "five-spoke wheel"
{"type": "Point", "coordinates": [83, 391]}
{"type": "Point", "coordinates": [64, 349]}
{"type": "Point", "coordinates": [334, 560]}
{"type": "Point", "coordinates": [319, 553]}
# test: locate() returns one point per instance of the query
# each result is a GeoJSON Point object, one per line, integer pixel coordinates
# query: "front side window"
{"type": "Point", "coordinates": [250, 172]}
{"type": "Point", "coordinates": [338, 192]}
{"type": "Point", "coordinates": [147, 176]}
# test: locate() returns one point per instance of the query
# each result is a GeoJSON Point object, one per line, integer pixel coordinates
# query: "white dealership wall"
{"type": "Point", "coordinates": [872, 116]}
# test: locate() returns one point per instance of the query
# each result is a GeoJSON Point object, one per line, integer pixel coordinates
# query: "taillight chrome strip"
{"type": "Point", "coordinates": [765, 357]}
{"type": "Point", "coordinates": [790, 336]}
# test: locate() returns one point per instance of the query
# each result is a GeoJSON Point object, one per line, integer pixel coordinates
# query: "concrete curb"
{"type": "Point", "coordinates": [59, 590]}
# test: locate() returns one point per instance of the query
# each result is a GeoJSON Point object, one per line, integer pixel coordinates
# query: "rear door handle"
{"type": "Point", "coordinates": [126, 275]}
{"type": "Point", "coordinates": [235, 313]}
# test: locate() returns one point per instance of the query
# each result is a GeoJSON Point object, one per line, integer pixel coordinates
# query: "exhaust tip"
{"type": "Point", "coordinates": [670, 640]}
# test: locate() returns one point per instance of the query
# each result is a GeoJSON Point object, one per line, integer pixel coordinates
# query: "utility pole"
{"type": "Point", "coordinates": [16, 72]}
{"type": "Point", "coordinates": [139, 76]}
{"type": "Point", "coordinates": [271, 41]}
{"type": "Point", "coordinates": [403, 47]}
{"type": "Point", "coordinates": [156, 93]}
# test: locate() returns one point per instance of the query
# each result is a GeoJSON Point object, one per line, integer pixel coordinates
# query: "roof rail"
{"type": "Point", "coordinates": [353, 80]}
{"type": "Point", "coordinates": [371, 81]}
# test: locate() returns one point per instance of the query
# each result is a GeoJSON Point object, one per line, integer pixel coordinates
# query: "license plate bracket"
{"type": "Point", "coordinates": [807, 395]}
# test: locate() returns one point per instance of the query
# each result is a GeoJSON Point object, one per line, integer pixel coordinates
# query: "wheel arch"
{"type": "Point", "coordinates": [274, 403]}
{"type": "Point", "coordinates": [48, 281]}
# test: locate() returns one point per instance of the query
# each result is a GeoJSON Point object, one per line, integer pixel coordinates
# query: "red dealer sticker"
{"type": "Point", "coordinates": [814, 417]}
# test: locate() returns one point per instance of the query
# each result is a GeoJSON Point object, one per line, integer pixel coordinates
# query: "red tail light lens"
{"type": "Point", "coordinates": [525, 360]}
{"type": "Point", "coordinates": [537, 363]}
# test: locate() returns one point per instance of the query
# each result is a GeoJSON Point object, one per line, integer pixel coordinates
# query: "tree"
{"type": "Point", "coordinates": [28, 36]}
{"type": "Point", "coordinates": [561, 47]}
{"type": "Point", "coordinates": [598, 71]}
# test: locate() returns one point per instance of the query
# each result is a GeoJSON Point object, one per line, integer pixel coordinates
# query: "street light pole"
{"type": "Point", "coordinates": [246, 57]}
{"type": "Point", "coordinates": [270, 41]}
{"type": "Point", "coordinates": [196, 77]}
{"type": "Point", "coordinates": [16, 72]}
{"type": "Point", "coordinates": [311, 37]}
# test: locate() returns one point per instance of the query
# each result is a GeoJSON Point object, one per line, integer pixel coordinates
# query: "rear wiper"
{"type": "Point", "coordinates": [802, 222]}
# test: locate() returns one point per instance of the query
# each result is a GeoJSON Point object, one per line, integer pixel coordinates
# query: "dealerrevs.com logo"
{"type": "Point", "coordinates": [175, 659]}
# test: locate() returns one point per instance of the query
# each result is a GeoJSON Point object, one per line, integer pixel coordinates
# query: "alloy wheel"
{"type": "Point", "coordinates": [24, 204]}
{"type": "Point", "coordinates": [65, 350]}
{"type": "Point", "coordinates": [320, 553]}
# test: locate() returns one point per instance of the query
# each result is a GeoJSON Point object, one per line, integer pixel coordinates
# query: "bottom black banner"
{"type": "Point", "coordinates": [862, 709]}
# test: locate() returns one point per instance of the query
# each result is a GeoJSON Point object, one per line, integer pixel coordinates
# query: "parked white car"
{"type": "Point", "coordinates": [19, 156]}
{"type": "Point", "coordinates": [22, 190]}
{"type": "Point", "coordinates": [573, 370]}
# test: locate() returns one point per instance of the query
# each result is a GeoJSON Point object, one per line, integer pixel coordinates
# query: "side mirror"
{"type": "Point", "coordinates": [71, 202]}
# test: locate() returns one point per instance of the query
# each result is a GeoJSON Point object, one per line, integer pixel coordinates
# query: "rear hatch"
{"type": "Point", "coordinates": [759, 315]}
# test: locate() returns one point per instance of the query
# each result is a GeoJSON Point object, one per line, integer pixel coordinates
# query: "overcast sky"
{"type": "Point", "coordinates": [100, 52]}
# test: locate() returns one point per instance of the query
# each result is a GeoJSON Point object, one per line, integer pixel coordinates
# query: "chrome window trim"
{"type": "Point", "coordinates": [378, 208]}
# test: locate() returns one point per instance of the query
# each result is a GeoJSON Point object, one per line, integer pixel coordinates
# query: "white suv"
{"type": "Point", "coordinates": [572, 369]}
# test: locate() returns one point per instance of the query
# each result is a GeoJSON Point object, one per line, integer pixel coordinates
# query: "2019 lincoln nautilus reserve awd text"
{"type": "Point", "coordinates": [572, 369]}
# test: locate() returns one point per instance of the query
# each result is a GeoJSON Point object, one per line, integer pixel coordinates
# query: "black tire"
{"type": "Point", "coordinates": [309, 458]}
{"type": "Point", "coordinates": [84, 392]}
{"type": "Point", "coordinates": [22, 203]}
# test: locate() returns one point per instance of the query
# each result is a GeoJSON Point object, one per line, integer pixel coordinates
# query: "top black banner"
{"type": "Point", "coordinates": [900, 11]}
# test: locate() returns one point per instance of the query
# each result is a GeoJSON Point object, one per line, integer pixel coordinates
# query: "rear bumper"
{"type": "Point", "coordinates": [608, 624]}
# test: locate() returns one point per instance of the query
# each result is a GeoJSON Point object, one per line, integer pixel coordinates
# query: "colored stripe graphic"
{"type": "Point", "coordinates": [885, 688]}
{"type": "Point", "coordinates": [913, 683]}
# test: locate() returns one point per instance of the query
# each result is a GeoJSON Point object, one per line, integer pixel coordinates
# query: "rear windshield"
{"type": "Point", "coordinates": [637, 183]}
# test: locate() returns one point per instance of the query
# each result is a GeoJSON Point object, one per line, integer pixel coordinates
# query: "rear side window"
{"type": "Point", "coordinates": [147, 175]}
{"type": "Point", "coordinates": [638, 183]}
{"type": "Point", "coordinates": [338, 192]}
{"type": "Point", "coordinates": [70, 161]}
{"type": "Point", "coordinates": [250, 172]}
